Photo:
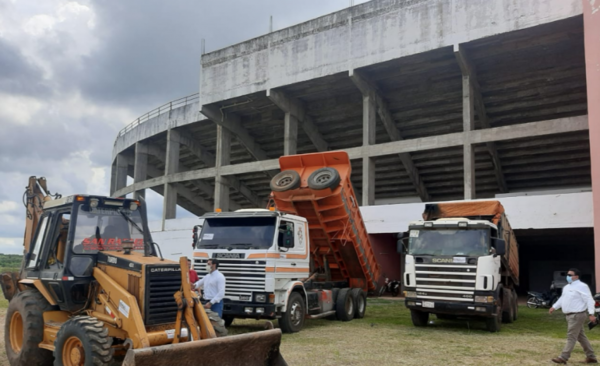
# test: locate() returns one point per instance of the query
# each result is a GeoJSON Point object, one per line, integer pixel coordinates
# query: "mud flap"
{"type": "Point", "coordinates": [252, 349]}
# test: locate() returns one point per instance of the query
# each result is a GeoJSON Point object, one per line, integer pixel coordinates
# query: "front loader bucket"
{"type": "Point", "coordinates": [252, 349]}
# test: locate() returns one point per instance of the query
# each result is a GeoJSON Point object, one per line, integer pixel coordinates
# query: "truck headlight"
{"type": "Point", "coordinates": [411, 293]}
{"type": "Point", "coordinates": [260, 310]}
{"type": "Point", "coordinates": [486, 299]}
{"type": "Point", "coordinates": [260, 298]}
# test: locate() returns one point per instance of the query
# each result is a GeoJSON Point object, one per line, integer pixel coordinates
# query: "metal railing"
{"type": "Point", "coordinates": [181, 102]}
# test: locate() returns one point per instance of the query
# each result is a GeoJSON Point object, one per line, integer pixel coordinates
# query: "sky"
{"type": "Point", "coordinates": [73, 73]}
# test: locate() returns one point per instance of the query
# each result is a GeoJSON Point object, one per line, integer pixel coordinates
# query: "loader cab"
{"type": "Point", "coordinates": [70, 234]}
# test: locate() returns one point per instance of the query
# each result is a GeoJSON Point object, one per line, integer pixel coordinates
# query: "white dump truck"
{"type": "Point", "coordinates": [461, 260]}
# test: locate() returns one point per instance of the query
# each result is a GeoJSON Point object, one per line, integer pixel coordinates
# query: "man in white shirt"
{"type": "Point", "coordinates": [214, 287]}
{"type": "Point", "coordinates": [576, 301]}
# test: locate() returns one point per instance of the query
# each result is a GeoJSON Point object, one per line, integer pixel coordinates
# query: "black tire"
{"type": "Point", "coordinates": [515, 304]}
{"type": "Point", "coordinates": [493, 324]}
{"type": "Point", "coordinates": [419, 318]}
{"type": "Point", "coordinates": [89, 336]}
{"type": "Point", "coordinates": [360, 303]}
{"type": "Point", "coordinates": [292, 320]}
{"type": "Point", "coordinates": [285, 180]}
{"type": "Point", "coordinates": [26, 310]}
{"type": "Point", "coordinates": [532, 302]}
{"type": "Point", "coordinates": [344, 305]}
{"type": "Point", "coordinates": [228, 319]}
{"type": "Point", "coordinates": [324, 178]}
{"type": "Point", "coordinates": [508, 307]}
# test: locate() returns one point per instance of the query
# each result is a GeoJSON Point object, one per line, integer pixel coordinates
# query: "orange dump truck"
{"type": "Point", "coordinates": [462, 260]}
{"type": "Point", "coordinates": [307, 257]}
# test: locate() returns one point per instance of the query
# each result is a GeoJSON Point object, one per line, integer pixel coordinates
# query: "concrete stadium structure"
{"type": "Point", "coordinates": [433, 100]}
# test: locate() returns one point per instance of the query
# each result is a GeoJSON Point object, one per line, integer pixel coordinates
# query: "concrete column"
{"type": "Point", "coordinates": [171, 167]}
{"type": "Point", "coordinates": [369, 129]}
{"type": "Point", "coordinates": [290, 139]}
{"type": "Point", "coordinates": [223, 158]}
{"type": "Point", "coordinates": [591, 31]}
{"type": "Point", "coordinates": [468, 126]}
{"type": "Point", "coordinates": [119, 174]}
{"type": "Point", "coordinates": [140, 167]}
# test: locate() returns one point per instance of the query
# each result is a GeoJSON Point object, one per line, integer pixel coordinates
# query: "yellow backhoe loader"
{"type": "Point", "coordinates": [92, 291]}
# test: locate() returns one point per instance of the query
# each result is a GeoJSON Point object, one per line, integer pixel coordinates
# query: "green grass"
{"type": "Point", "coordinates": [386, 336]}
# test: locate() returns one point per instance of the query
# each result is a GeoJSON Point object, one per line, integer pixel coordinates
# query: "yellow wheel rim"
{"type": "Point", "coordinates": [16, 332]}
{"type": "Point", "coordinates": [73, 353]}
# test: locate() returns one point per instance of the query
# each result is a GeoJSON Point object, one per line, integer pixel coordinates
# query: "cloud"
{"type": "Point", "coordinates": [73, 73]}
{"type": "Point", "coordinates": [17, 74]}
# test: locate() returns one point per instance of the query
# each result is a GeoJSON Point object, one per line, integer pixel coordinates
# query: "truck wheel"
{"type": "Point", "coordinates": [360, 303]}
{"type": "Point", "coordinates": [419, 318]}
{"type": "Point", "coordinates": [507, 307]}
{"type": "Point", "coordinates": [83, 341]}
{"type": "Point", "coordinates": [344, 306]}
{"type": "Point", "coordinates": [493, 324]}
{"type": "Point", "coordinates": [293, 319]}
{"type": "Point", "coordinates": [228, 319]}
{"type": "Point", "coordinates": [324, 178]}
{"type": "Point", "coordinates": [515, 304]}
{"type": "Point", "coordinates": [285, 180]}
{"type": "Point", "coordinates": [24, 329]}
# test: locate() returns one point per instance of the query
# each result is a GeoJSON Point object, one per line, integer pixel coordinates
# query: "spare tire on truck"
{"type": "Point", "coordinates": [324, 178]}
{"type": "Point", "coordinates": [24, 329]}
{"type": "Point", "coordinates": [285, 180]}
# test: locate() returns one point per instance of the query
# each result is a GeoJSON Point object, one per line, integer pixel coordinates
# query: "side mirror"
{"type": "Point", "coordinates": [288, 239]}
{"type": "Point", "coordinates": [400, 248]}
{"type": "Point", "coordinates": [499, 245]}
{"type": "Point", "coordinates": [195, 232]}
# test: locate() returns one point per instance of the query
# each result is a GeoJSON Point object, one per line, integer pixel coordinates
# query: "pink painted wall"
{"type": "Point", "coordinates": [384, 246]}
{"type": "Point", "coordinates": [591, 28]}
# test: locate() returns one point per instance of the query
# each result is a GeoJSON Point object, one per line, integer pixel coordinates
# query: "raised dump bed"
{"type": "Point", "coordinates": [318, 188]}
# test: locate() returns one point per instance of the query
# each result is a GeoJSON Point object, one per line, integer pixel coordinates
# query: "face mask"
{"type": "Point", "coordinates": [208, 268]}
{"type": "Point", "coordinates": [569, 279]}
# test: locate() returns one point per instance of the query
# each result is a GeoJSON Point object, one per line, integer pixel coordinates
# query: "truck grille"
{"type": "Point", "coordinates": [161, 284]}
{"type": "Point", "coordinates": [242, 276]}
{"type": "Point", "coordinates": [452, 282]}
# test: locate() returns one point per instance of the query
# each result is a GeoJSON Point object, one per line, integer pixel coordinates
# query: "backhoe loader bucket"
{"type": "Point", "coordinates": [251, 349]}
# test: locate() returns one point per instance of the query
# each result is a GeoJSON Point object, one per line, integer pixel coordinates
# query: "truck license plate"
{"type": "Point", "coordinates": [428, 304]}
{"type": "Point", "coordinates": [244, 297]}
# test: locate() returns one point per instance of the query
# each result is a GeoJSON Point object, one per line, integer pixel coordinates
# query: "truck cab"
{"type": "Point", "coordinates": [261, 253]}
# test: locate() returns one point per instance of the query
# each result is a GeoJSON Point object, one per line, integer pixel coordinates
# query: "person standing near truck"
{"type": "Point", "coordinates": [214, 287]}
{"type": "Point", "coordinates": [575, 301]}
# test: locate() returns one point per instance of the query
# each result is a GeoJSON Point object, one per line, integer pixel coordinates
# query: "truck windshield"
{"type": "Point", "coordinates": [237, 233]}
{"type": "Point", "coordinates": [449, 242]}
{"type": "Point", "coordinates": [105, 228]}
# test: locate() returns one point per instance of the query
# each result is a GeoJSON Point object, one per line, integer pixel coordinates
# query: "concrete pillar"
{"type": "Point", "coordinates": [468, 126]}
{"type": "Point", "coordinates": [119, 174]}
{"type": "Point", "coordinates": [591, 31]}
{"type": "Point", "coordinates": [223, 158]}
{"type": "Point", "coordinates": [140, 167]}
{"type": "Point", "coordinates": [171, 167]}
{"type": "Point", "coordinates": [290, 139]}
{"type": "Point", "coordinates": [369, 129]}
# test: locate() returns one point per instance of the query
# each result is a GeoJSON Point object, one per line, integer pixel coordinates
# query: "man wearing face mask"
{"type": "Point", "coordinates": [214, 287]}
{"type": "Point", "coordinates": [576, 300]}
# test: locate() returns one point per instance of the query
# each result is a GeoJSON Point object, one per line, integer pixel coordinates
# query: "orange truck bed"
{"type": "Point", "coordinates": [338, 237]}
{"type": "Point", "coordinates": [482, 210]}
